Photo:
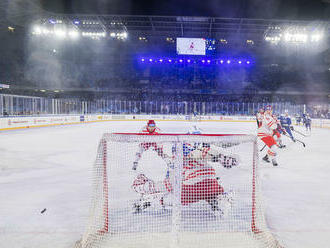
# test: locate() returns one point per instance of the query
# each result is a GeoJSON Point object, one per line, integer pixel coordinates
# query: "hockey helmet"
{"type": "Point", "coordinates": [151, 123]}
{"type": "Point", "coordinates": [268, 108]}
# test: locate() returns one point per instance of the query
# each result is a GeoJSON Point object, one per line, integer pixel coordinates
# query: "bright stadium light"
{"type": "Point", "coordinates": [36, 30]}
{"type": "Point", "coordinates": [59, 33]}
{"type": "Point", "coordinates": [287, 36]}
{"type": "Point", "coordinates": [301, 37]}
{"type": "Point", "coordinates": [124, 35]}
{"type": "Point", "coordinates": [316, 37]}
{"type": "Point", "coordinates": [113, 34]}
{"type": "Point", "coordinates": [295, 36]}
{"type": "Point", "coordinates": [228, 61]}
{"type": "Point", "coordinates": [74, 34]}
{"type": "Point", "coordinates": [240, 62]}
{"type": "Point", "coordinates": [45, 31]}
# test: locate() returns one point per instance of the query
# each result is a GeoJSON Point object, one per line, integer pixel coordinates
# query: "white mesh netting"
{"type": "Point", "coordinates": [173, 190]}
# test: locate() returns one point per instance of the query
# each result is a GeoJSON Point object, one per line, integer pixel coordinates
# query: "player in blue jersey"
{"type": "Point", "coordinates": [308, 122]}
{"type": "Point", "coordinates": [286, 123]}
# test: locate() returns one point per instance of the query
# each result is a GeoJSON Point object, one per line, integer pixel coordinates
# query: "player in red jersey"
{"type": "Point", "coordinates": [265, 133]}
{"type": "Point", "coordinates": [150, 128]}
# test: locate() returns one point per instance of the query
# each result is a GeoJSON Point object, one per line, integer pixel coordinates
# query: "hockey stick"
{"type": "Point", "coordinates": [304, 145]}
{"type": "Point", "coordinates": [262, 148]}
{"type": "Point", "coordinates": [301, 142]}
{"type": "Point", "coordinates": [299, 133]}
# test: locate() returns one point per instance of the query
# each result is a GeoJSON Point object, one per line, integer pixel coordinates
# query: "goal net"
{"type": "Point", "coordinates": [176, 190]}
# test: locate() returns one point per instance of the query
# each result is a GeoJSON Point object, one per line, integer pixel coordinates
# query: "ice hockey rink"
{"type": "Point", "coordinates": [50, 168]}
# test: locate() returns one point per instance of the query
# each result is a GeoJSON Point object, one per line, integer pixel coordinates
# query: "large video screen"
{"type": "Point", "coordinates": [191, 46]}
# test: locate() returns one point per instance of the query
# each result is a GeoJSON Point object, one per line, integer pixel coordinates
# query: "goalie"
{"type": "Point", "coordinates": [199, 180]}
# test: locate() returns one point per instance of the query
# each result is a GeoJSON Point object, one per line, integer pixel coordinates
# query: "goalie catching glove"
{"type": "Point", "coordinates": [215, 154]}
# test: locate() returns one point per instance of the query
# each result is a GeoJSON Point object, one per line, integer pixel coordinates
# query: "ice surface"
{"type": "Point", "coordinates": [51, 168]}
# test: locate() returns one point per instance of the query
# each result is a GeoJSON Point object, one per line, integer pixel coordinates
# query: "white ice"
{"type": "Point", "coordinates": [50, 168]}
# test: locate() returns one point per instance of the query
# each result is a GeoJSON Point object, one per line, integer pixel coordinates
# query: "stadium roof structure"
{"type": "Point", "coordinates": [27, 12]}
{"type": "Point", "coordinates": [180, 26]}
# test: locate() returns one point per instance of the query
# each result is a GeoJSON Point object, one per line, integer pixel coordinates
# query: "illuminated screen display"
{"type": "Point", "coordinates": [191, 46]}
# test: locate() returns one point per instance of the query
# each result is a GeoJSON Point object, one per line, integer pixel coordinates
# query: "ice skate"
{"type": "Point", "coordinates": [266, 159]}
{"type": "Point", "coordinates": [274, 162]}
{"type": "Point", "coordinates": [140, 206]}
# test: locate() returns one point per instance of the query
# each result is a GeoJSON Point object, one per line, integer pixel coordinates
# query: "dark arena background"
{"type": "Point", "coordinates": [73, 70]}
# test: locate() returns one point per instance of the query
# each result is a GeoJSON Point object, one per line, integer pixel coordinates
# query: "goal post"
{"type": "Point", "coordinates": [199, 190]}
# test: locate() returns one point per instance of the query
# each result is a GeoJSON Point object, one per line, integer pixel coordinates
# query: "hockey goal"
{"type": "Point", "coordinates": [167, 218]}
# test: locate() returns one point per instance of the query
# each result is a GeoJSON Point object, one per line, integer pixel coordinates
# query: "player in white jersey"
{"type": "Point", "coordinates": [266, 132]}
{"type": "Point", "coordinates": [199, 180]}
{"type": "Point", "coordinates": [260, 116]}
{"type": "Point", "coordinates": [195, 130]}
{"type": "Point", "coordinates": [277, 132]}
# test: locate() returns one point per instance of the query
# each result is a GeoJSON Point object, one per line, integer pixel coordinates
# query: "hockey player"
{"type": "Point", "coordinates": [150, 128]}
{"type": "Point", "coordinates": [287, 125]}
{"type": "Point", "coordinates": [298, 119]}
{"type": "Point", "coordinates": [195, 130]}
{"type": "Point", "coordinates": [308, 122]}
{"type": "Point", "coordinates": [277, 132]}
{"type": "Point", "coordinates": [265, 133]}
{"type": "Point", "coordinates": [260, 116]}
{"type": "Point", "coordinates": [199, 181]}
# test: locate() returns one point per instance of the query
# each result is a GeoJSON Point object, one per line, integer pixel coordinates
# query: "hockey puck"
{"type": "Point", "coordinates": [44, 210]}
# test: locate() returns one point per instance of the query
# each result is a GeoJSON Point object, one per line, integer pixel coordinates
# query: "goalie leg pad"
{"type": "Point", "coordinates": [222, 204]}
{"type": "Point", "coordinates": [204, 190]}
{"type": "Point", "coordinates": [226, 201]}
